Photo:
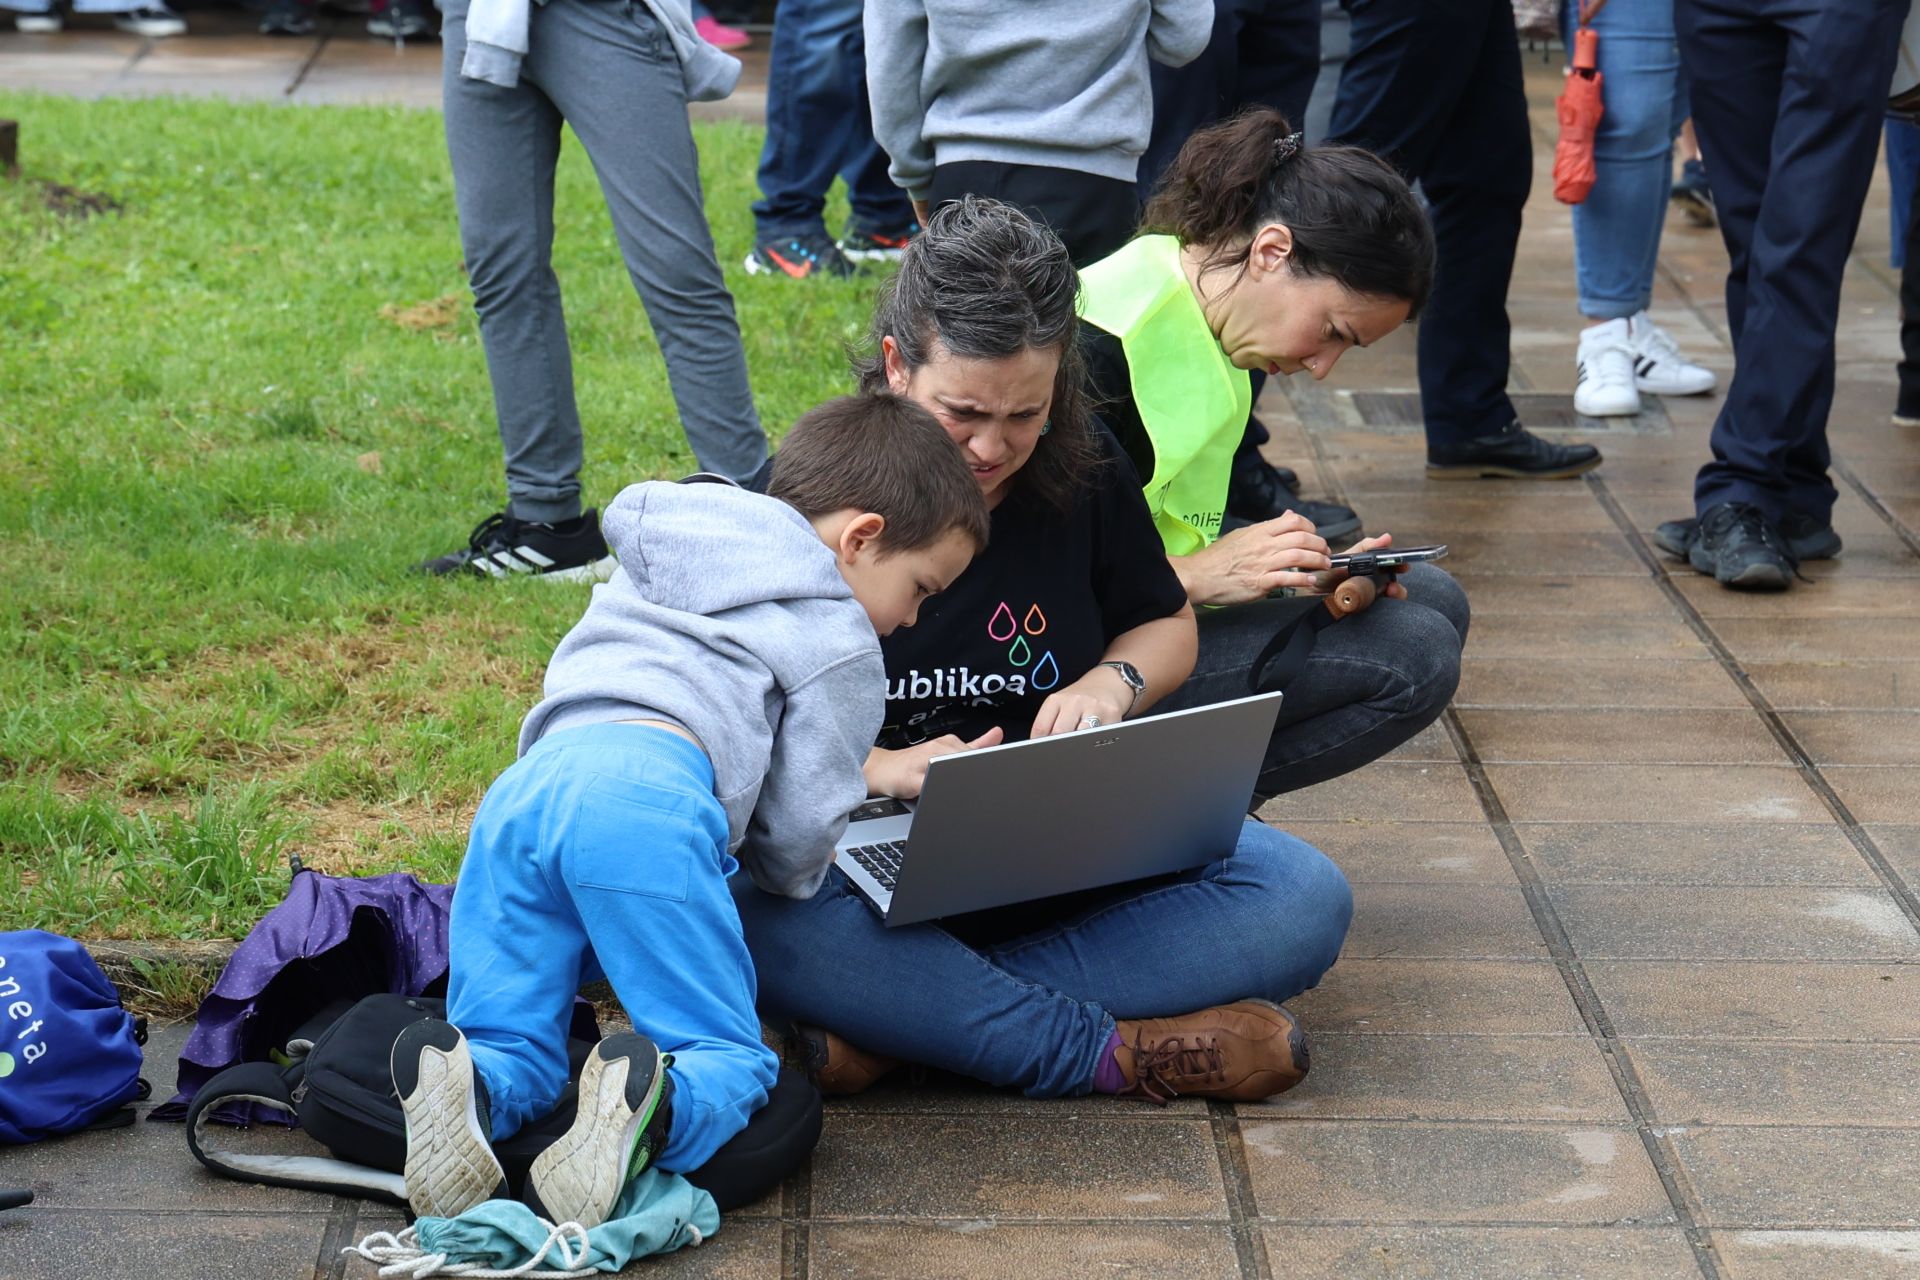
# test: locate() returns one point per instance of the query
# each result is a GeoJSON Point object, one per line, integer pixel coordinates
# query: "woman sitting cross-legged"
{"type": "Point", "coordinates": [1151, 988]}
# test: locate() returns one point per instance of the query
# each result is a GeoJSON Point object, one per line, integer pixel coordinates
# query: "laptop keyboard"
{"type": "Point", "coordinates": [882, 861]}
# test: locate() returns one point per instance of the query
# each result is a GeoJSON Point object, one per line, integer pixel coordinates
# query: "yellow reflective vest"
{"type": "Point", "coordinates": [1192, 401]}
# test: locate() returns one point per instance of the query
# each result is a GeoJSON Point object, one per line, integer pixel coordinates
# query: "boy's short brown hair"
{"type": "Point", "coordinates": [885, 454]}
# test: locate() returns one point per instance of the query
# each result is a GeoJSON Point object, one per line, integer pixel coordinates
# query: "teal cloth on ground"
{"type": "Point", "coordinates": [657, 1213]}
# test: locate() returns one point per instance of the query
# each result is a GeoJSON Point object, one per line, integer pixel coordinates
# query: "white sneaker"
{"type": "Point", "coordinates": [155, 21]}
{"type": "Point", "coordinates": [1658, 366]}
{"type": "Point", "coordinates": [37, 24]}
{"type": "Point", "coordinates": [1604, 387]}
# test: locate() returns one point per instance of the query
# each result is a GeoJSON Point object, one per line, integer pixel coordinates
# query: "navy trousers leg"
{"type": "Point", "coordinates": [1435, 86]}
{"type": "Point", "coordinates": [1789, 139]}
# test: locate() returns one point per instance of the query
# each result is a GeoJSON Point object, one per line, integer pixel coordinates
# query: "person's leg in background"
{"type": "Point", "coordinates": [504, 144]}
{"type": "Point", "coordinates": [880, 217]}
{"type": "Point", "coordinates": [614, 76]}
{"type": "Point", "coordinates": [816, 109]}
{"type": "Point", "coordinates": [1791, 149]}
{"type": "Point", "coordinates": [1616, 229]}
{"type": "Point", "coordinates": [1435, 87]}
{"type": "Point", "coordinates": [1906, 412]}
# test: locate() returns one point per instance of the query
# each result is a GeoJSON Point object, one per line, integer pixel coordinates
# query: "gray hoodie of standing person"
{"type": "Point", "coordinates": [729, 618]}
{"type": "Point", "coordinates": [1061, 83]}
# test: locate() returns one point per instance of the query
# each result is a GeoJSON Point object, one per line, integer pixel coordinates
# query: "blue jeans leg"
{"type": "Point", "coordinates": [602, 852]}
{"type": "Point", "coordinates": [1034, 1009]}
{"type": "Point", "coordinates": [1616, 229]}
{"type": "Point", "coordinates": [819, 124]}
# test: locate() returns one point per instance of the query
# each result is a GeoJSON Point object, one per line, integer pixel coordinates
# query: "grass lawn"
{"type": "Point", "coordinates": [231, 414]}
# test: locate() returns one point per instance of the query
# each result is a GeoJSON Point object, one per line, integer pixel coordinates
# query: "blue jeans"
{"type": "Point", "coordinates": [1019, 999]}
{"type": "Point", "coordinates": [1616, 229]}
{"type": "Point", "coordinates": [819, 125]}
{"type": "Point", "coordinates": [603, 853]}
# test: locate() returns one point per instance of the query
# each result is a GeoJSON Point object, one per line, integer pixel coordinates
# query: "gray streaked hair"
{"type": "Point", "coordinates": [986, 281]}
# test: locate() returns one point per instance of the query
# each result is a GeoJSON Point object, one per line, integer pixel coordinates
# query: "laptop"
{"type": "Point", "coordinates": [1053, 815]}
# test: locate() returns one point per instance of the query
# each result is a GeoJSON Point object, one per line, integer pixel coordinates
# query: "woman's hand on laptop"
{"type": "Point", "coordinates": [901, 774]}
{"type": "Point", "coordinates": [1099, 697]}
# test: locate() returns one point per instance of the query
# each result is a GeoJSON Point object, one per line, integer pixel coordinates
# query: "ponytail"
{"type": "Point", "coordinates": [1353, 218]}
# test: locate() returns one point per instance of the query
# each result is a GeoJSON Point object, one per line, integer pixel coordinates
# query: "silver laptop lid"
{"type": "Point", "coordinates": [1051, 815]}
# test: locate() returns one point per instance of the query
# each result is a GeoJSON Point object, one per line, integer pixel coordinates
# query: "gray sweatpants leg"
{"type": "Point", "coordinates": [606, 68]}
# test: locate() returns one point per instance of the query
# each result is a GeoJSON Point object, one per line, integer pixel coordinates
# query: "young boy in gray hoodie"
{"type": "Point", "coordinates": [717, 700]}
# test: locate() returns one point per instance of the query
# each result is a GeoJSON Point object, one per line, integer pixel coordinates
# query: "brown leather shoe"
{"type": "Point", "coordinates": [1241, 1052]}
{"type": "Point", "coordinates": [836, 1068]}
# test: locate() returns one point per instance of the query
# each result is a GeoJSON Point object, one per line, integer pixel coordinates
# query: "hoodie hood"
{"type": "Point", "coordinates": [707, 548]}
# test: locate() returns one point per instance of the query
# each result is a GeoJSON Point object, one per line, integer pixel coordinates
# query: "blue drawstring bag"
{"type": "Point", "coordinates": [69, 1053]}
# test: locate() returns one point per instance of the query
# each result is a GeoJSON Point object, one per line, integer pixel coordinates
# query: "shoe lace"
{"type": "Point", "coordinates": [490, 534]}
{"type": "Point", "coordinates": [1749, 523]}
{"type": "Point", "coordinates": [1157, 1065]}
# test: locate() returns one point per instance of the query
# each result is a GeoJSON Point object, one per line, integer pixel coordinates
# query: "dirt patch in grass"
{"type": "Point", "coordinates": [67, 202]}
{"type": "Point", "coordinates": [437, 317]}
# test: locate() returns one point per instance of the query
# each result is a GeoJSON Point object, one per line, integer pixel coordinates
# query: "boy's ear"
{"type": "Point", "coordinates": [860, 536]}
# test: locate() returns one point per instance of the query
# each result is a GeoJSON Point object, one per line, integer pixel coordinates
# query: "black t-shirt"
{"type": "Point", "coordinates": [1033, 613]}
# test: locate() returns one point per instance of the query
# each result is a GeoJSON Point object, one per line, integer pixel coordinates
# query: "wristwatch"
{"type": "Point", "coordinates": [1134, 680]}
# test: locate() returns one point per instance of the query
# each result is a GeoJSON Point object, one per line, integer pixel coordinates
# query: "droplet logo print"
{"type": "Point", "coordinates": [1001, 628]}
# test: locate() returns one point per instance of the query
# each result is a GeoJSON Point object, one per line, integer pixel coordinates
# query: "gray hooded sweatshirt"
{"type": "Point", "coordinates": [729, 618]}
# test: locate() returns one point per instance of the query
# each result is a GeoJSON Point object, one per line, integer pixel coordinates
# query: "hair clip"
{"type": "Point", "coordinates": [1285, 149]}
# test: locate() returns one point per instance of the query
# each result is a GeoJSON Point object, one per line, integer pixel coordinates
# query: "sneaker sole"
{"type": "Point", "coordinates": [1755, 577]}
{"type": "Point", "coordinates": [450, 1164]}
{"type": "Point", "coordinates": [1825, 548]}
{"type": "Point", "coordinates": [580, 1177]}
{"type": "Point", "coordinates": [871, 255]}
{"type": "Point", "coordinates": [153, 30]}
{"type": "Point", "coordinates": [42, 27]}
{"type": "Point", "coordinates": [1621, 410]}
{"type": "Point", "coordinates": [1476, 471]}
{"type": "Point", "coordinates": [1650, 388]}
{"type": "Point", "coordinates": [593, 571]}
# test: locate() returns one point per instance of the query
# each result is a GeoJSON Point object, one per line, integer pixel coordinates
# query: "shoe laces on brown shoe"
{"type": "Point", "coordinates": [1239, 1052]}
{"type": "Point", "coordinates": [837, 1068]}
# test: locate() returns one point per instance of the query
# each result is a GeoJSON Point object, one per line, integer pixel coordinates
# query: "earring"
{"type": "Point", "coordinates": [1046, 427]}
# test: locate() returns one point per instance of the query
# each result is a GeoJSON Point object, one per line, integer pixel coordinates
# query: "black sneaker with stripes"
{"type": "Point", "coordinates": [503, 546]}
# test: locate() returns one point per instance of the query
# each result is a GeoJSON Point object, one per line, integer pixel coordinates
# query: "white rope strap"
{"type": "Point", "coordinates": [401, 1256]}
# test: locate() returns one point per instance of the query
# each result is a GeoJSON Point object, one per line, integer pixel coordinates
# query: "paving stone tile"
{"type": "Point", "coordinates": [1817, 639]}
{"type": "Point", "coordinates": [741, 1250]}
{"type": "Point", "coordinates": [1579, 637]}
{"type": "Point", "coordinates": [950, 1167]}
{"type": "Point", "coordinates": [1602, 682]}
{"type": "Point", "coordinates": [1839, 596]}
{"type": "Point", "coordinates": [1389, 1173]}
{"type": "Point", "coordinates": [44, 1241]}
{"type": "Point", "coordinates": [1885, 794]}
{"type": "Point", "coordinates": [1411, 791]}
{"type": "Point", "coordinates": [1644, 736]}
{"type": "Point", "coordinates": [1557, 1079]}
{"type": "Point", "coordinates": [1858, 737]}
{"type": "Point", "coordinates": [1869, 556]}
{"type": "Point", "coordinates": [1789, 1255]}
{"type": "Point", "coordinates": [1900, 844]}
{"type": "Point", "coordinates": [1775, 1003]}
{"type": "Point", "coordinates": [925, 1091]}
{"type": "Point", "coordinates": [1734, 924]}
{"type": "Point", "coordinates": [1405, 852]}
{"type": "Point", "coordinates": [1463, 1253]}
{"type": "Point", "coordinates": [1802, 1176]}
{"type": "Point", "coordinates": [986, 1247]}
{"type": "Point", "coordinates": [1832, 684]}
{"type": "Point", "coordinates": [1654, 793]}
{"type": "Point", "coordinates": [1799, 1082]}
{"type": "Point", "coordinates": [1431, 743]}
{"type": "Point", "coordinates": [1572, 595]}
{"type": "Point", "coordinates": [1494, 553]}
{"type": "Point", "coordinates": [1408, 921]}
{"type": "Point", "coordinates": [1436, 511]}
{"type": "Point", "coordinates": [1773, 853]}
{"type": "Point", "coordinates": [1439, 997]}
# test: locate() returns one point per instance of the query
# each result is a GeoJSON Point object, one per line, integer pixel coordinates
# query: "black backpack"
{"type": "Point", "coordinates": [338, 1084]}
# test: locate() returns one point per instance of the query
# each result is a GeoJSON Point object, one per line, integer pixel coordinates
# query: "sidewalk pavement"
{"type": "Point", "coordinates": [1632, 985]}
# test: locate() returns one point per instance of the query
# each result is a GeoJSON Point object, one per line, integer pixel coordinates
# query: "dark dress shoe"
{"type": "Point", "coordinates": [1515, 452]}
{"type": "Point", "coordinates": [1807, 538]}
{"type": "Point", "coordinates": [1258, 491]}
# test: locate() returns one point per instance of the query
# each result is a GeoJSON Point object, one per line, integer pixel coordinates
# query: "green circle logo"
{"type": "Point", "coordinates": [6, 1065]}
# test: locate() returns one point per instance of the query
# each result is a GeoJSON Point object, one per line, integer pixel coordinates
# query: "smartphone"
{"type": "Point", "coordinates": [1387, 559]}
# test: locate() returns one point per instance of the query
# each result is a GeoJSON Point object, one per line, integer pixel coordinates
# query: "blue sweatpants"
{"type": "Point", "coordinates": [603, 853]}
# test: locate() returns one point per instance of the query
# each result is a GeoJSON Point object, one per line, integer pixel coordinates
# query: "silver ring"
{"type": "Point", "coordinates": [1090, 722]}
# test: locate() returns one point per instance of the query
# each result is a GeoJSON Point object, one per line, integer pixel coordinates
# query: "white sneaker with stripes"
{"type": "Point", "coordinates": [1604, 383]}
{"type": "Point", "coordinates": [1658, 367]}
